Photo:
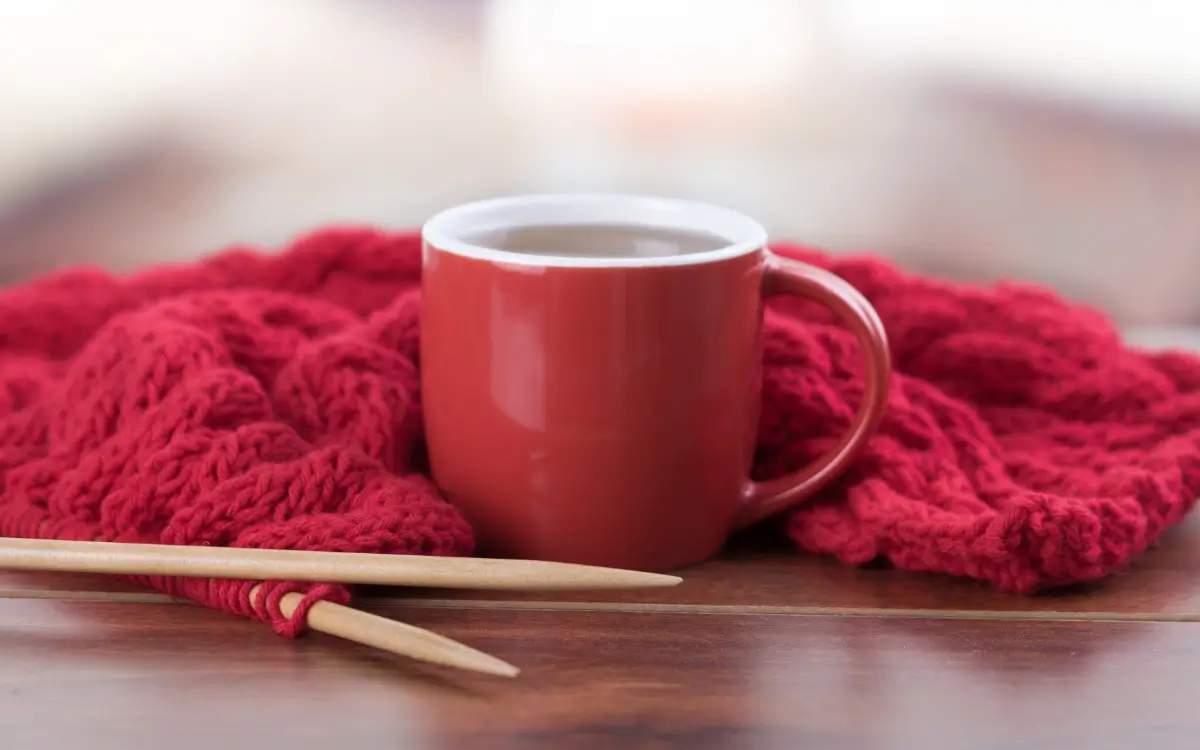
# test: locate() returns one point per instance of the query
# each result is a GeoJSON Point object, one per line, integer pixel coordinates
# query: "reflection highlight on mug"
{"type": "Point", "coordinates": [518, 379]}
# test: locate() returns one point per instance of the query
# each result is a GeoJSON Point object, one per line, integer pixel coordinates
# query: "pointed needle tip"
{"type": "Point", "coordinates": [659, 579]}
{"type": "Point", "coordinates": [503, 669]}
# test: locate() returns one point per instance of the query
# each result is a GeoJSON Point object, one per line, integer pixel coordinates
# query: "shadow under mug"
{"type": "Point", "coordinates": [604, 410]}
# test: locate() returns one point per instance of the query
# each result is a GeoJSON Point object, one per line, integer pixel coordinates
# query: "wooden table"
{"type": "Point", "coordinates": [761, 648]}
{"type": "Point", "coordinates": [757, 649]}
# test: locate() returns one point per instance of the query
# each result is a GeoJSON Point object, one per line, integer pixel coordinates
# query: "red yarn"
{"type": "Point", "coordinates": [272, 400]}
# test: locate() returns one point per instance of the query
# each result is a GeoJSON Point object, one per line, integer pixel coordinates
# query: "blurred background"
{"type": "Point", "coordinates": [1054, 141]}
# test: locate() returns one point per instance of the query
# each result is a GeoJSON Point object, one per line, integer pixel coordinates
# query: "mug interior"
{"type": "Point", "coordinates": [451, 230]}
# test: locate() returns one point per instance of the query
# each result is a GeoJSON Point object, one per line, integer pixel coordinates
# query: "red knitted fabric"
{"type": "Point", "coordinates": [271, 400]}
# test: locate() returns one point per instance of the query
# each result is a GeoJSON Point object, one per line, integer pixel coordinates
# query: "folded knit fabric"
{"type": "Point", "coordinates": [272, 400]}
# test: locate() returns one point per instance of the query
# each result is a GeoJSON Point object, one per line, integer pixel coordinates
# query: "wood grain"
{"type": "Point", "coordinates": [763, 572]}
{"type": "Point", "coordinates": [104, 675]}
{"type": "Point", "coordinates": [24, 584]}
{"type": "Point", "coordinates": [760, 571]}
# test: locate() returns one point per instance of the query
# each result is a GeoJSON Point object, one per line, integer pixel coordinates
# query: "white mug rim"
{"type": "Point", "coordinates": [444, 230]}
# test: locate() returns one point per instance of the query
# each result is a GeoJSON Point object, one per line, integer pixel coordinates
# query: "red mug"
{"type": "Point", "coordinates": [604, 409]}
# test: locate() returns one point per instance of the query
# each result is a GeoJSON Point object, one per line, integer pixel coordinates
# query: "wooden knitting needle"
{"type": "Point", "coordinates": [390, 635]}
{"type": "Point", "coordinates": [328, 567]}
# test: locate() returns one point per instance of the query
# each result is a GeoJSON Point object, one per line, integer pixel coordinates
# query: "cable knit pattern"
{"type": "Point", "coordinates": [272, 400]}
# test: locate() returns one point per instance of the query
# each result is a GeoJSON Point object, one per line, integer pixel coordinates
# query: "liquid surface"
{"type": "Point", "coordinates": [598, 240]}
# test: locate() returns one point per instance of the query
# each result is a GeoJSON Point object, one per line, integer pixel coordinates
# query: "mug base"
{"type": "Point", "coordinates": [646, 563]}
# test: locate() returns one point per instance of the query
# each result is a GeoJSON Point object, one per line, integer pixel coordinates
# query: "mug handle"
{"type": "Point", "coordinates": [783, 276]}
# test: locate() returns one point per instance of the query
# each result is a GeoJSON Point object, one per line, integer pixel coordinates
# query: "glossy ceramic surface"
{"type": "Point", "coordinates": [608, 415]}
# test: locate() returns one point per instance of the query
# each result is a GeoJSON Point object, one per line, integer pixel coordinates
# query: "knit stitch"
{"type": "Point", "coordinates": [260, 399]}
